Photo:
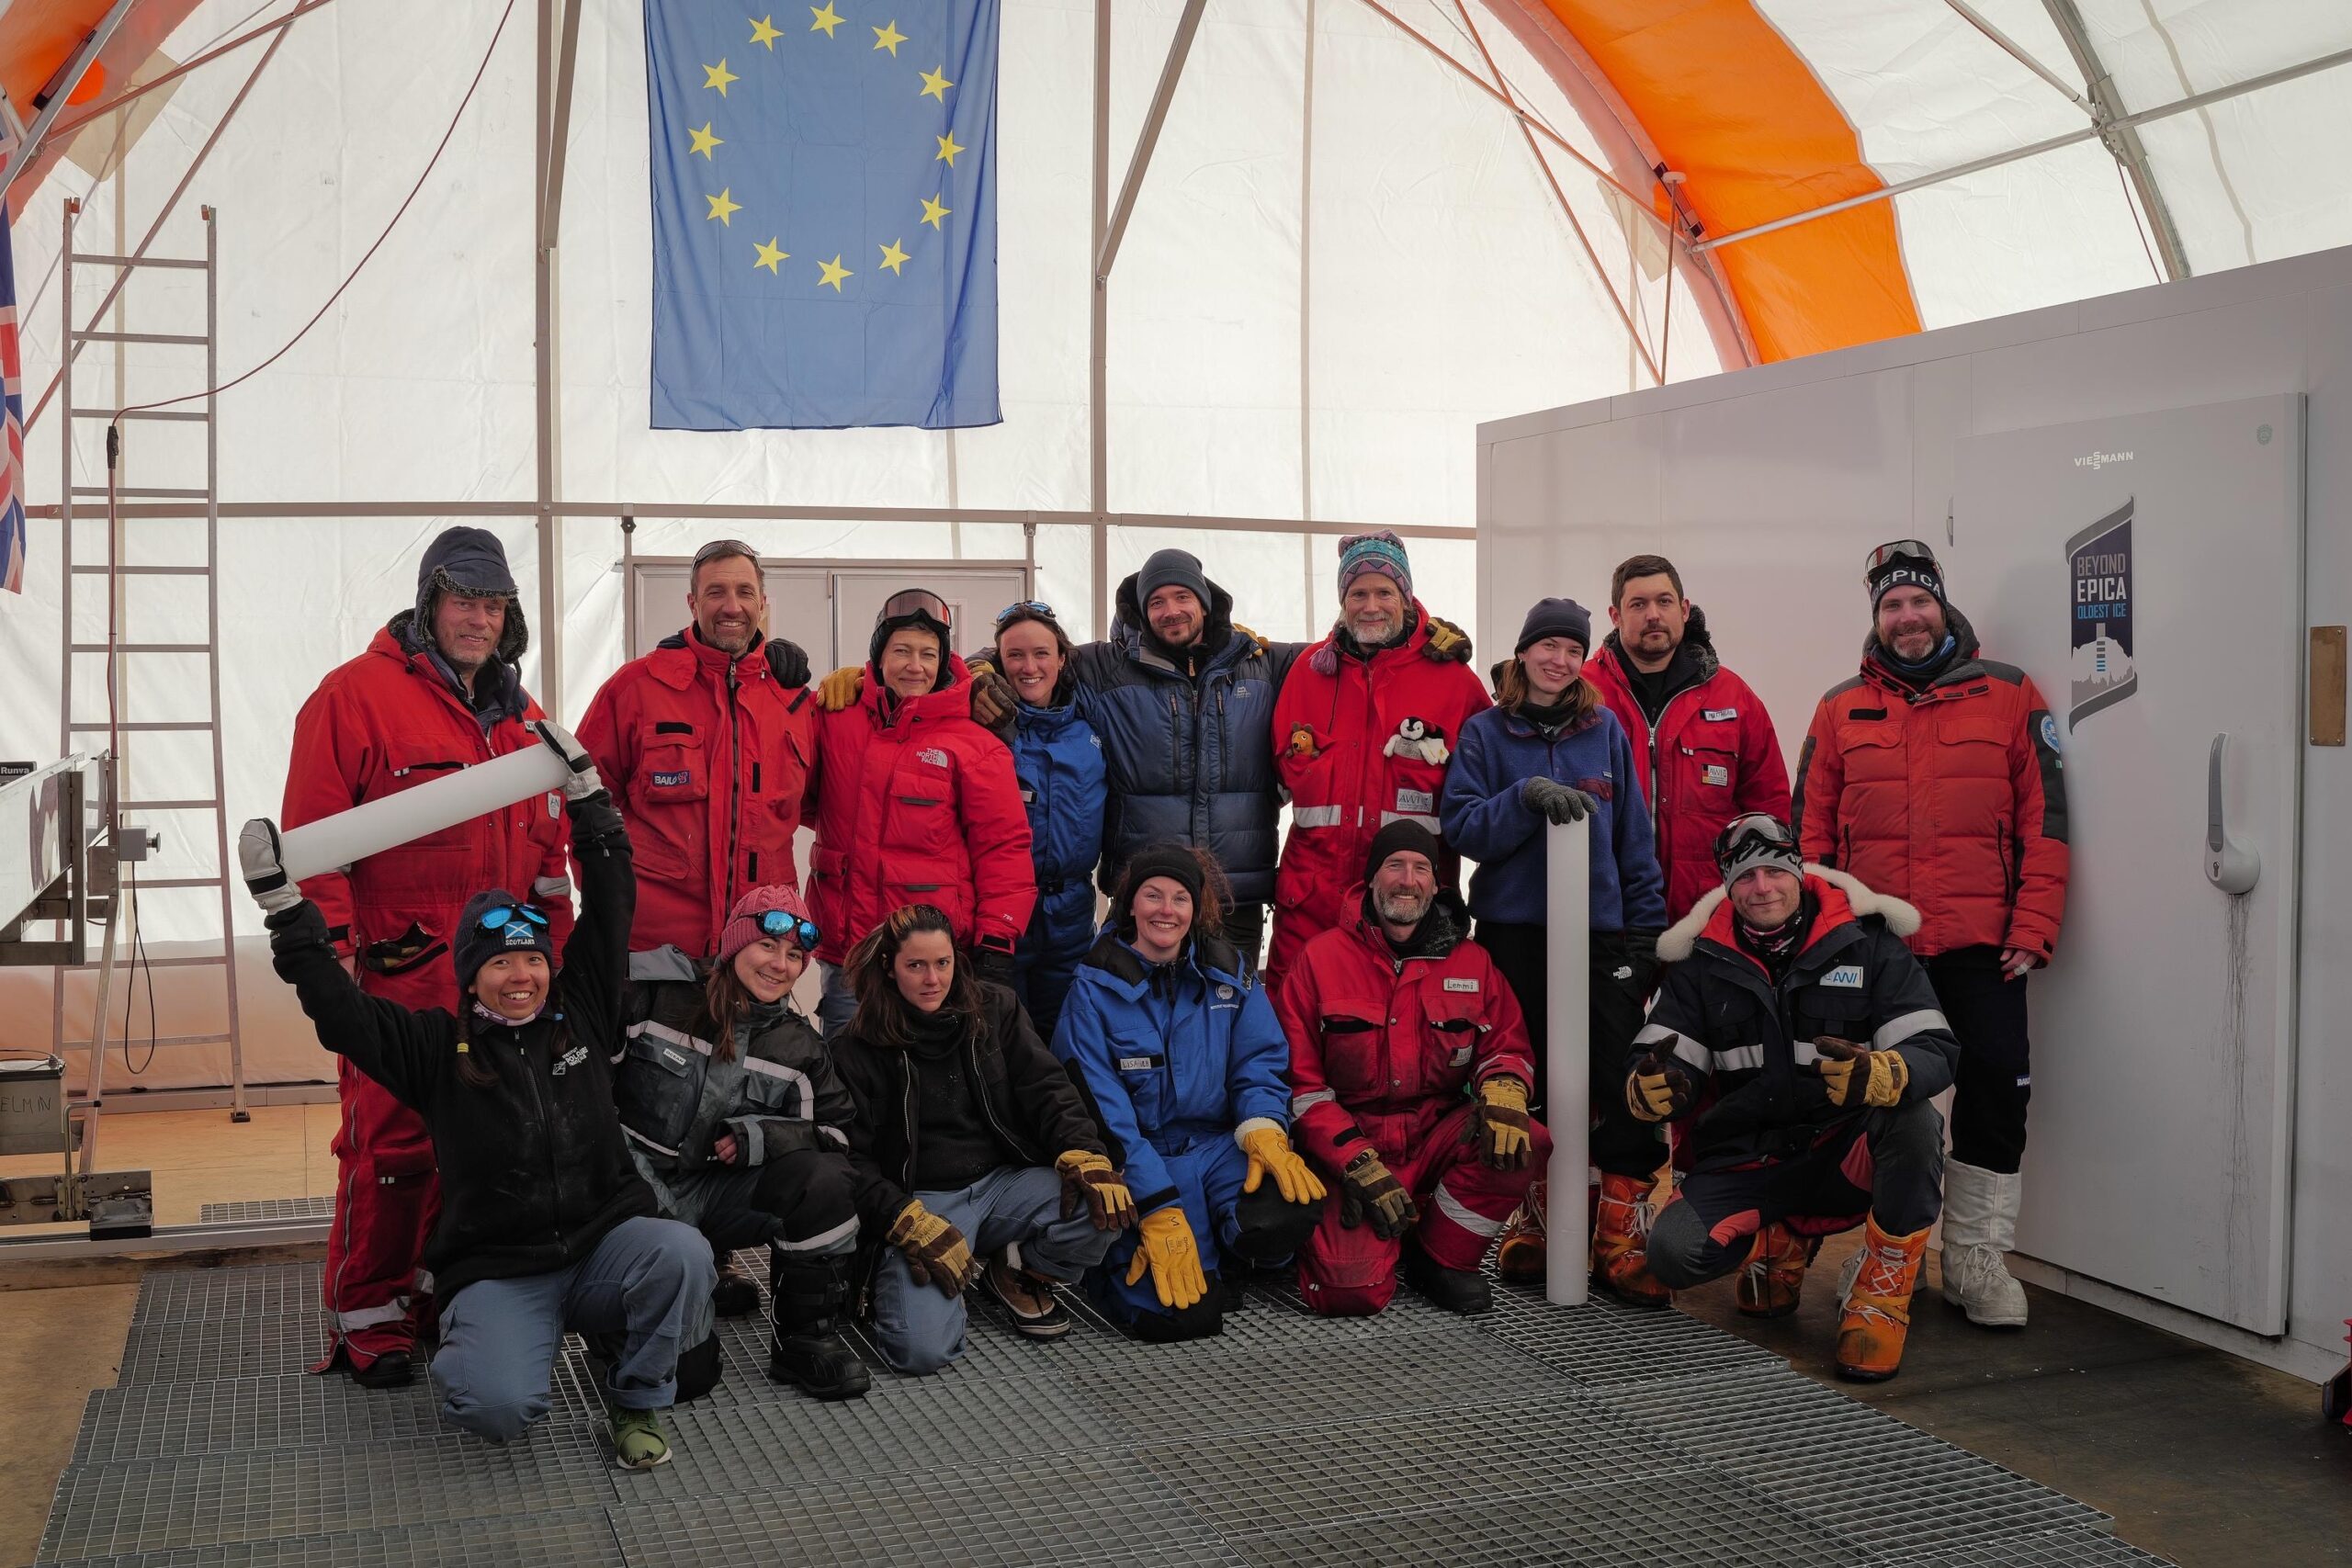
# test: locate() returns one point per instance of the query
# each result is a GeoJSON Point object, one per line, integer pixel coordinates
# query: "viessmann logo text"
{"type": "Point", "coordinates": [2101, 459]}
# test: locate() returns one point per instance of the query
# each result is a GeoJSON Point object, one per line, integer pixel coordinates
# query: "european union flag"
{"type": "Point", "coordinates": [824, 213]}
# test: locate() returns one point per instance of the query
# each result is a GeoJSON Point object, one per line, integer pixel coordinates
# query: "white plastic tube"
{"type": "Point", "coordinates": [393, 820]}
{"type": "Point", "coordinates": [1567, 1094]}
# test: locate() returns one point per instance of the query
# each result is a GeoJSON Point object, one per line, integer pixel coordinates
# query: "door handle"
{"type": "Point", "coordinates": [2229, 865]}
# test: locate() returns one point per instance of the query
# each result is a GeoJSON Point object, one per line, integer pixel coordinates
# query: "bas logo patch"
{"type": "Point", "coordinates": [677, 779]}
{"type": "Point", "coordinates": [1845, 977]}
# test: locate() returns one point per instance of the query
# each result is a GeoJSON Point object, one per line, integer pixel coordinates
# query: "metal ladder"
{"type": "Point", "coordinates": [75, 499]}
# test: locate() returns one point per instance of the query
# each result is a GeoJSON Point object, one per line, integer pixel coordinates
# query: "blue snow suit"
{"type": "Point", "coordinates": [1486, 819]}
{"type": "Point", "coordinates": [1192, 754]}
{"type": "Point", "coordinates": [1175, 1057]}
{"type": "Point", "coordinates": [1057, 758]}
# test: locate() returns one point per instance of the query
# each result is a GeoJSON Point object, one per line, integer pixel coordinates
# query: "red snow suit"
{"type": "Point", "coordinates": [709, 758]}
{"type": "Point", "coordinates": [1359, 743]}
{"type": "Point", "coordinates": [1951, 799]}
{"type": "Point", "coordinates": [1387, 1054]}
{"type": "Point", "coordinates": [1713, 756]}
{"type": "Point", "coordinates": [915, 803]}
{"type": "Point", "coordinates": [387, 721]}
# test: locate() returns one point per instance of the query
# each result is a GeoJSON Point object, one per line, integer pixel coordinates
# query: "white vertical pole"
{"type": "Point", "coordinates": [1567, 1092]}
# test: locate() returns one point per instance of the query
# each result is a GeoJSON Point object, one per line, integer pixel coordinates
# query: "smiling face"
{"type": "Point", "coordinates": [1177, 616]}
{"type": "Point", "coordinates": [770, 967]}
{"type": "Point", "coordinates": [1372, 609]}
{"type": "Point", "coordinates": [1163, 911]}
{"type": "Point", "coordinates": [1402, 889]}
{"type": "Point", "coordinates": [466, 628]}
{"type": "Point", "coordinates": [1910, 622]}
{"type": "Point", "coordinates": [909, 663]}
{"type": "Point", "coordinates": [1766, 897]}
{"type": "Point", "coordinates": [1552, 666]}
{"type": "Point", "coordinates": [729, 603]}
{"type": "Point", "coordinates": [1031, 658]}
{"type": "Point", "coordinates": [512, 984]}
{"type": "Point", "coordinates": [925, 969]}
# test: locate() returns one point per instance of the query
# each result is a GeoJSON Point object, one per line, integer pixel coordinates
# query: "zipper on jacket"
{"type": "Point", "coordinates": [734, 785]}
{"type": "Point", "coordinates": [547, 1130]}
{"type": "Point", "coordinates": [981, 1093]}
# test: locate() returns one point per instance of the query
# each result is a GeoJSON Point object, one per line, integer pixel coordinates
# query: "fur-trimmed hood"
{"type": "Point", "coordinates": [1681, 939]}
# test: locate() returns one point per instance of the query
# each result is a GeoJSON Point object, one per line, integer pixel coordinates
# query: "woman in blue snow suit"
{"type": "Point", "coordinates": [1171, 1033]}
{"type": "Point", "coordinates": [1058, 760]}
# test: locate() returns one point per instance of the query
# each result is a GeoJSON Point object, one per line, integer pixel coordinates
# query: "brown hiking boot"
{"type": "Point", "coordinates": [1620, 1232]}
{"type": "Point", "coordinates": [1877, 1307]}
{"type": "Point", "coordinates": [1519, 1256]}
{"type": "Point", "coordinates": [1773, 1276]}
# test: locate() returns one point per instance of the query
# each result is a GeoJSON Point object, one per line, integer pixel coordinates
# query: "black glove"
{"type": "Point", "coordinates": [992, 965]}
{"type": "Point", "coordinates": [993, 700]}
{"type": "Point", "coordinates": [1641, 948]}
{"type": "Point", "coordinates": [788, 663]}
{"type": "Point", "coordinates": [1556, 802]}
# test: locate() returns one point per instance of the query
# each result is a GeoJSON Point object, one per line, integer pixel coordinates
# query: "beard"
{"type": "Point", "coordinates": [1401, 909]}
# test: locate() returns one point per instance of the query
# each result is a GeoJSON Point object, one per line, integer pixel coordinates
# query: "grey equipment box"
{"type": "Point", "coordinates": [32, 1106]}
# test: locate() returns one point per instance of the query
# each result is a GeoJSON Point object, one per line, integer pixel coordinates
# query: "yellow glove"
{"type": "Point", "coordinates": [1858, 1075]}
{"type": "Point", "coordinates": [1246, 634]}
{"type": "Point", "coordinates": [1447, 644]}
{"type": "Point", "coordinates": [1175, 1261]}
{"type": "Point", "coordinates": [1504, 1141]}
{"type": "Point", "coordinates": [1657, 1089]}
{"type": "Point", "coordinates": [841, 689]}
{"type": "Point", "coordinates": [1089, 1183]}
{"type": "Point", "coordinates": [993, 701]}
{"type": "Point", "coordinates": [1268, 1149]}
{"type": "Point", "coordinates": [936, 1251]}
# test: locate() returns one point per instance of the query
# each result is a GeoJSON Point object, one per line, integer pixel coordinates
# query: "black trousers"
{"type": "Point", "coordinates": [1620, 1145]}
{"type": "Point", "coordinates": [1245, 928]}
{"type": "Point", "coordinates": [1995, 1079]}
{"type": "Point", "coordinates": [1888, 1162]}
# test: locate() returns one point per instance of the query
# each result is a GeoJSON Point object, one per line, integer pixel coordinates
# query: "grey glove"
{"type": "Point", "coordinates": [1556, 802]}
{"type": "Point", "coordinates": [583, 781]}
{"type": "Point", "coordinates": [265, 873]}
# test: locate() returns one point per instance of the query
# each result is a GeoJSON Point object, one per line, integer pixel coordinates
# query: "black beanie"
{"type": "Point", "coordinates": [1556, 618]}
{"type": "Point", "coordinates": [475, 947]}
{"type": "Point", "coordinates": [1402, 834]}
{"type": "Point", "coordinates": [1171, 568]}
{"type": "Point", "coordinates": [1173, 862]}
{"type": "Point", "coordinates": [1907, 572]}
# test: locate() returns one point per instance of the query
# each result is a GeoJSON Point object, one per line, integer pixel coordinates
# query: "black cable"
{"type": "Point", "coordinates": [130, 994]}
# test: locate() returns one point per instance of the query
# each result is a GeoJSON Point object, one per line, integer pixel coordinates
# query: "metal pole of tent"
{"type": "Point", "coordinates": [1567, 1091]}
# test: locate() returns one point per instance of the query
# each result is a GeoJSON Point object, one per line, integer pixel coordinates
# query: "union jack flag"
{"type": "Point", "coordinates": [12, 466]}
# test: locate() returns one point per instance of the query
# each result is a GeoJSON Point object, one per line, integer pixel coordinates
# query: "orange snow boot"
{"type": "Point", "coordinates": [1620, 1232]}
{"type": "Point", "coordinates": [1877, 1307]}
{"type": "Point", "coordinates": [1773, 1276]}
{"type": "Point", "coordinates": [1519, 1256]}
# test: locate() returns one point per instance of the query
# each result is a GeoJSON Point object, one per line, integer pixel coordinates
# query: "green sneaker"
{"type": "Point", "coordinates": [638, 1442]}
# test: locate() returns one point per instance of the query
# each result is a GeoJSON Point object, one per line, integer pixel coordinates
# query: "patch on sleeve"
{"type": "Point", "coordinates": [1846, 976]}
{"type": "Point", "coordinates": [2050, 731]}
{"type": "Point", "coordinates": [1461, 985]}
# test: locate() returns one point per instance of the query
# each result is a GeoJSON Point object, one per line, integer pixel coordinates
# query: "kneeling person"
{"type": "Point", "coordinates": [1169, 1028]}
{"type": "Point", "coordinates": [1409, 1068]}
{"type": "Point", "coordinates": [968, 1134]}
{"type": "Point", "coordinates": [737, 1118]}
{"type": "Point", "coordinates": [1806, 1037]}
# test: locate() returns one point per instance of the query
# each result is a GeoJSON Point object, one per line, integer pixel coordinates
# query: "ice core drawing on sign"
{"type": "Point", "coordinates": [2099, 564]}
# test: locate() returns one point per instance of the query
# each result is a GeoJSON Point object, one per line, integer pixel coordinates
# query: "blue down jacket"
{"type": "Point", "coordinates": [1057, 759]}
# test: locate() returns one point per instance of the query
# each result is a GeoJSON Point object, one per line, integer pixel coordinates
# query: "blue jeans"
{"type": "Point", "coordinates": [648, 1279]}
{"type": "Point", "coordinates": [919, 1330]}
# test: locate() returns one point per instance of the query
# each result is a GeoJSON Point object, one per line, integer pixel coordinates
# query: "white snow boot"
{"type": "Point", "coordinates": [1980, 1225]}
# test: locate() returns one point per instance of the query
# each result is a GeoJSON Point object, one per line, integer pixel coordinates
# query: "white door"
{"type": "Point", "coordinates": [799, 606]}
{"type": "Point", "coordinates": [2146, 570]}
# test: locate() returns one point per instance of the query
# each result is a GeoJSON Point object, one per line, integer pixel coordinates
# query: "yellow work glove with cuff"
{"type": "Point", "coordinates": [1368, 1189]}
{"type": "Point", "coordinates": [840, 689]}
{"type": "Point", "coordinates": [1269, 1150]}
{"type": "Point", "coordinates": [1089, 1183]}
{"type": "Point", "coordinates": [1504, 1139]}
{"type": "Point", "coordinates": [1858, 1075]}
{"type": "Point", "coordinates": [1656, 1089]}
{"type": "Point", "coordinates": [936, 1251]}
{"type": "Point", "coordinates": [1168, 1251]}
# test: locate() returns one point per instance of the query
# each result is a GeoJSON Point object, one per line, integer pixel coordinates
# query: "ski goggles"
{"type": "Point", "coordinates": [909, 603]}
{"type": "Point", "coordinates": [785, 926]}
{"type": "Point", "coordinates": [1025, 608]}
{"type": "Point", "coordinates": [498, 916]}
{"type": "Point", "coordinates": [1898, 550]}
{"type": "Point", "coordinates": [1755, 837]}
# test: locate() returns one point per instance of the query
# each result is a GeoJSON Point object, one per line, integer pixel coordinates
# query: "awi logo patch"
{"type": "Point", "coordinates": [1845, 977]}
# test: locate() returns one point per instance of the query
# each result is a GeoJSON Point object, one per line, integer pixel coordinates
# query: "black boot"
{"type": "Point", "coordinates": [805, 1346]}
{"type": "Point", "coordinates": [1455, 1290]}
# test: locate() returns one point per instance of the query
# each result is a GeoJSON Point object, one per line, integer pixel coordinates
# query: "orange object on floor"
{"type": "Point", "coordinates": [1878, 1309]}
{"type": "Point", "coordinates": [1519, 1256]}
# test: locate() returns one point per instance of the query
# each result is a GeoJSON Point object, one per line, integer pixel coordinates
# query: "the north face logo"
{"type": "Point", "coordinates": [932, 755]}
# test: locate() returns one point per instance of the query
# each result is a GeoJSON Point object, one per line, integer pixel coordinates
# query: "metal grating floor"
{"type": "Point", "coordinates": [252, 1209]}
{"type": "Point", "coordinates": [1530, 1434]}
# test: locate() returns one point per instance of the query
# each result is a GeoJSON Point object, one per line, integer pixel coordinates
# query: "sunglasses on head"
{"type": "Point", "coordinates": [785, 926]}
{"type": "Point", "coordinates": [498, 916]}
{"type": "Point", "coordinates": [717, 549]}
{"type": "Point", "coordinates": [1024, 607]}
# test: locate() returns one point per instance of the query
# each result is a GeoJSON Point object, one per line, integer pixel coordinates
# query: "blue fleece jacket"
{"type": "Point", "coordinates": [1487, 821]}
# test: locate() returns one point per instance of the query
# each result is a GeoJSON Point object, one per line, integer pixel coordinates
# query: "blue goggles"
{"type": "Point", "coordinates": [785, 926]}
{"type": "Point", "coordinates": [498, 916]}
{"type": "Point", "coordinates": [1025, 608]}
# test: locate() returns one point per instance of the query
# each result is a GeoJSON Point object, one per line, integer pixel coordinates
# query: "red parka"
{"type": "Point", "coordinates": [709, 757]}
{"type": "Point", "coordinates": [1951, 798]}
{"type": "Point", "coordinates": [1359, 742]}
{"type": "Point", "coordinates": [915, 803]}
{"type": "Point", "coordinates": [391, 721]}
{"type": "Point", "coordinates": [1713, 756]}
{"type": "Point", "coordinates": [1384, 1048]}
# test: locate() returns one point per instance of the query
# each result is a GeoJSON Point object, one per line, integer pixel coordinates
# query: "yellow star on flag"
{"type": "Point", "coordinates": [833, 272]}
{"type": "Point", "coordinates": [934, 84]}
{"type": "Point", "coordinates": [948, 148]}
{"type": "Point", "coordinates": [889, 36]}
{"type": "Point", "coordinates": [719, 76]}
{"type": "Point", "coordinates": [893, 258]}
{"type": "Point", "coordinates": [931, 212]}
{"type": "Point", "coordinates": [764, 31]}
{"type": "Point", "coordinates": [704, 141]}
{"type": "Point", "coordinates": [722, 208]}
{"type": "Point", "coordinates": [827, 20]}
{"type": "Point", "coordinates": [771, 254]}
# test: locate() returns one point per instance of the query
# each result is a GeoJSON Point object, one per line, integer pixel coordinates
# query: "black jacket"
{"type": "Point", "coordinates": [779, 1096]}
{"type": "Point", "coordinates": [1028, 1098]}
{"type": "Point", "coordinates": [533, 1169]}
{"type": "Point", "coordinates": [1749, 1043]}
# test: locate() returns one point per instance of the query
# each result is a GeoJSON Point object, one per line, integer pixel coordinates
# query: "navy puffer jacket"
{"type": "Point", "coordinates": [1192, 757]}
